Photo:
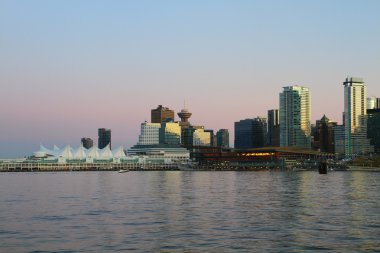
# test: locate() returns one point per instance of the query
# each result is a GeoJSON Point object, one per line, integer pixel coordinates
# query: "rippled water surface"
{"type": "Point", "coordinates": [190, 212]}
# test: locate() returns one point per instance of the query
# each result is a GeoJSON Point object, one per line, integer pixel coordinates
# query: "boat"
{"type": "Point", "coordinates": [123, 170]}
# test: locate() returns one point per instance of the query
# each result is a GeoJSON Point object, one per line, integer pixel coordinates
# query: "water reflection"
{"type": "Point", "coordinates": [190, 211]}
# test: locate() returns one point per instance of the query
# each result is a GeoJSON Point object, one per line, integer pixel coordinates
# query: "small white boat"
{"type": "Point", "coordinates": [123, 170]}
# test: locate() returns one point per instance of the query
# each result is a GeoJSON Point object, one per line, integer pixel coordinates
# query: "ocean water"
{"type": "Point", "coordinates": [190, 212]}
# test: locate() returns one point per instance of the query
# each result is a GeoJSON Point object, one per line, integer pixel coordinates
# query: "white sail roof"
{"type": "Point", "coordinates": [106, 153]}
{"type": "Point", "coordinates": [93, 152]}
{"type": "Point", "coordinates": [119, 152]}
{"type": "Point", "coordinates": [66, 152]}
{"type": "Point", "coordinates": [80, 153]}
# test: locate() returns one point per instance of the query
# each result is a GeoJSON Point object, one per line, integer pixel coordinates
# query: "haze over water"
{"type": "Point", "coordinates": [190, 211]}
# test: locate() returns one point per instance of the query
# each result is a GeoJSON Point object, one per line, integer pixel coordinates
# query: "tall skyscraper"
{"type": "Point", "coordinates": [104, 137]}
{"type": "Point", "coordinates": [295, 113]}
{"type": "Point", "coordinates": [162, 114]}
{"type": "Point", "coordinates": [223, 138]}
{"type": "Point", "coordinates": [355, 120]}
{"type": "Point", "coordinates": [87, 142]}
{"type": "Point", "coordinates": [273, 128]}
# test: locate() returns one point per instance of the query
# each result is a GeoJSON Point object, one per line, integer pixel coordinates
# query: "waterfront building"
{"type": "Point", "coordinates": [170, 133]}
{"type": "Point", "coordinates": [295, 113]}
{"type": "Point", "coordinates": [78, 155]}
{"type": "Point", "coordinates": [150, 134]}
{"type": "Point", "coordinates": [373, 128]}
{"type": "Point", "coordinates": [223, 138]}
{"type": "Point", "coordinates": [273, 128]}
{"type": "Point", "coordinates": [243, 133]}
{"type": "Point", "coordinates": [104, 138]}
{"type": "Point", "coordinates": [162, 114]}
{"type": "Point", "coordinates": [87, 142]}
{"type": "Point", "coordinates": [355, 120]}
{"type": "Point", "coordinates": [153, 155]}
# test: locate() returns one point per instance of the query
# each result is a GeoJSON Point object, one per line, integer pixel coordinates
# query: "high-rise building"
{"type": "Point", "coordinates": [251, 133]}
{"type": "Point", "coordinates": [104, 137]}
{"type": "Point", "coordinates": [373, 128]}
{"type": "Point", "coordinates": [170, 133]}
{"type": "Point", "coordinates": [211, 133]}
{"type": "Point", "coordinates": [162, 114]}
{"type": "Point", "coordinates": [339, 139]}
{"type": "Point", "coordinates": [295, 113]}
{"type": "Point", "coordinates": [243, 133]}
{"type": "Point", "coordinates": [150, 134]}
{"type": "Point", "coordinates": [223, 138]}
{"type": "Point", "coordinates": [259, 132]}
{"type": "Point", "coordinates": [326, 138]}
{"type": "Point", "coordinates": [371, 103]}
{"type": "Point", "coordinates": [273, 128]}
{"type": "Point", "coordinates": [87, 142]}
{"type": "Point", "coordinates": [355, 120]}
{"type": "Point", "coordinates": [201, 137]}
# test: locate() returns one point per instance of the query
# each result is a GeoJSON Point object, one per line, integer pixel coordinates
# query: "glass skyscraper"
{"type": "Point", "coordinates": [355, 120]}
{"type": "Point", "coordinates": [104, 137]}
{"type": "Point", "coordinates": [295, 113]}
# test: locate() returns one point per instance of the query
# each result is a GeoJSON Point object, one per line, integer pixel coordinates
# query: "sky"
{"type": "Point", "coordinates": [69, 67]}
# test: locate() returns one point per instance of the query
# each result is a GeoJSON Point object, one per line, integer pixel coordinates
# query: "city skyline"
{"type": "Point", "coordinates": [69, 68]}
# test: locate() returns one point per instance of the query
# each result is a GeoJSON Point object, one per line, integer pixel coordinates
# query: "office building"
{"type": "Point", "coordinates": [223, 138]}
{"type": "Point", "coordinates": [295, 113]}
{"type": "Point", "coordinates": [162, 114]}
{"type": "Point", "coordinates": [201, 137]}
{"type": "Point", "coordinates": [211, 133]}
{"type": "Point", "coordinates": [259, 132]}
{"type": "Point", "coordinates": [149, 134]}
{"type": "Point", "coordinates": [373, 128]}
{"type": "Point", "coordinates": [196, 136]}
{"type": "Point", "coordinates": [355, 120]}
{"type": "Point", "coordinates": [104, 138]}
{"type": "Point", "coordinates": [373, 103]}
{"type": "Point", "coordinates": [273, 139]}
{"type": "Point", "coordinates": [87, 142]}
{"type": "Point", "coordinates": [339, 146]}
{"type": "Point", "coordinates": [326, 138]}
{"type": "Point", "coordinates": [170, 133]}
{"type": "Point", "coordinates": [243, 133]}
{"type": "Point", "coordinates": [251, 133]}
